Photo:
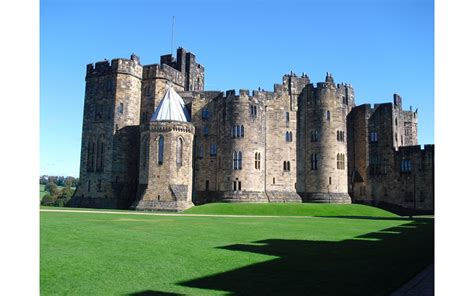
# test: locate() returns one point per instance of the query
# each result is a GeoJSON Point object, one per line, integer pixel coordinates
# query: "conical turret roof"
{"type": "Point", "coordinates": [171, 107]}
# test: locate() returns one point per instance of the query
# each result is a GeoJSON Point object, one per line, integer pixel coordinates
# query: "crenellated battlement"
{"type": "Point", "coordinates": [297, 140]}
{"type": "Point", "coordinates": [116, 66]}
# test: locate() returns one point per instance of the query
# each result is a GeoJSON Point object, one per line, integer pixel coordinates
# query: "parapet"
{"type": "Point", "coordinates": [244, 92]}
{"type": "Point", "coordinates": [163, 71]}
{"type": "Point", "coordinates": [407, 150]}
{"type": "Point", "coordinates": [123, 66]}
{"type": "Point", "coordinates": [230, 93]}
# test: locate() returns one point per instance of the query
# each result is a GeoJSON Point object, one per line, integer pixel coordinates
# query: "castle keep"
{"type": "Point", "coordinates": [154, 139]}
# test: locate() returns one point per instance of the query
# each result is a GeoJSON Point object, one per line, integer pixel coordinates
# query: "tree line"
{"type": "Point", "coordinates": [59, 180]}
{"type": "Point", "coordinates": [55, 196]}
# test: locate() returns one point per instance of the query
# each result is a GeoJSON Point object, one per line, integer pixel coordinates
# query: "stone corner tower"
{"type": "Point", "coordinates": [165, 167]}
{"type": "Point", "coordinates": [325, 142]}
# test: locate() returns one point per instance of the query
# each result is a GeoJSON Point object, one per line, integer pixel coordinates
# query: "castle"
{"type": "Point", "coordinates": [154, 139]}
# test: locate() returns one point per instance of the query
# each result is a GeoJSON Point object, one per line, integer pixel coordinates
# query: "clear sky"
{"type": "Point", "coordinates": [379, 46]}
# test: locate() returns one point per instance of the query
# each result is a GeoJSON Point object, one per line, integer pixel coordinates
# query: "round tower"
{"type": "Point", "coordinates": [326, 179]}
{"type": "Point", "coordinates": [243, 168]}
{"type": "Point", "coordinates": [165, 179]}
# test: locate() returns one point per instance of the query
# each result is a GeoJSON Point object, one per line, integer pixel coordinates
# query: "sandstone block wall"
{"type": "Point", "coordinates": [168, 182]}
{"type": "Point", "coordinates": [280, 131]}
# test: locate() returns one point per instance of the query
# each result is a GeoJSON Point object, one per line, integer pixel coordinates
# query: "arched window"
{"type": "Point", "coordinates": [206, 131]}
{"type": "Point", "coordinates": [100, 154]}
{"type": "Point", "coordinates": [242, 131]}
{"type": "Point", "coordinates": [289, 136]}
{"type": "Point", "coordinates": [338, 136]}
{"type": "Point", "coordinates": [144, 151]}
{"type": "Point", "coordinates": [238, 132]}
{"type": "Point", "coordinates": [314, 162]}
{"type": "Point", "coordinates": [179, 152]}
{"type": "Point", "coordinates": [90, 156]}
{"type": "Point", "coordinates": [161, 149]}
{"type": "Point", "coordinates": [234, 161]}
{"type": "Point", "coordinates": [314, 136]}
{"type": "Point", "coordinates": [328, 115]}
{"type": "Point", "coordinates": [257, 160]}
{"type": "Point", "coordinates": [286, 166]}
{"type": "Point", "coordinates": [239, 160]}
{"type": "Point", "coordinates": [213, 149]}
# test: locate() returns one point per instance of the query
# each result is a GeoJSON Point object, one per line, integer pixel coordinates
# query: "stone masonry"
{"type": "Point", "coordinates": [297, 143]}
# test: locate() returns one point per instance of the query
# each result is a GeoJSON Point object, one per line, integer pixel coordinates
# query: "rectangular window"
{"type": "Point", "coordinates": [374, 137]}
{"type": "Point", "coordinates": [240, 186]}
{"type": "Point", "coordinates": [207, 185]}
{"type": "Point", "coordinates": [406, 166]}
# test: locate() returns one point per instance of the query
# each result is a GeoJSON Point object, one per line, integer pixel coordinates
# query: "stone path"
{"type": "Point", "coordinates": [176, 214]}
{"type": "Point", "coordinates": [421, 285]}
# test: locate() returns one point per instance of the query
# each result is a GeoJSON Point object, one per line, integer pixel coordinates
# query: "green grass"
{"type": "Point", "coordinates": [119, 254]}
{"type": "Point", "coordinates": [290, 209]}
{"type": "Point", "coordinates": [42, 192]}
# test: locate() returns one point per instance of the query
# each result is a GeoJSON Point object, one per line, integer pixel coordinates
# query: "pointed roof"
{"type": "Point", "coordinates": [171, 107]}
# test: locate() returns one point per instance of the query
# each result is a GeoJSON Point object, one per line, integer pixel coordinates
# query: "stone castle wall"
{"type": "Point", "coordinates": [167, 181]}
{"type": "Point", "coordinates": [297, 142]}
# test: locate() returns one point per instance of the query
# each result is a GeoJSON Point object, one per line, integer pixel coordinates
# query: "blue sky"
{"type": "Point", "coordinates": [380, 47]}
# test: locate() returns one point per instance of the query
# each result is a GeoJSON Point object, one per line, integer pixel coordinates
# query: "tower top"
{"type": "Point", "coordinates": [329, 78]}
{"type": "Point", "coordinates": [171, 108]}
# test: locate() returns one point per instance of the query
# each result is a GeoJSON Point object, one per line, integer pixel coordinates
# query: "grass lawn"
{"type": "Point", "coordinates": [290, 209]}
{"type": "Point", "coordinates": [119, 254]}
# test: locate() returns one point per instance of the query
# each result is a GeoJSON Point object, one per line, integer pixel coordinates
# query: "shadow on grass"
{"type": "Point", "coordinates": [376, 263]}
{"type": "Point", "coordinates": [378, 218]}
{"type": "Point", "coordinates": [154, 293]}
{"type": "Point", "coordinates": [373, 264]}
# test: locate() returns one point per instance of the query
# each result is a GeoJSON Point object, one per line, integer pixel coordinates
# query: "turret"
{"type": "Point", "coordinates": [165, 181]}
{"type": "Point", "coordinates": [326, 146]}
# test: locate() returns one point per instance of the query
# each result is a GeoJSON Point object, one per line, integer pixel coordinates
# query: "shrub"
{"type": "Point", "coordinates": [48, 200]}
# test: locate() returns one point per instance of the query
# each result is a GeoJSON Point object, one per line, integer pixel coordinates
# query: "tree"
{"type": "Point", "coordinates": [66, 193]}
{"type": "Point", "coordinates": [70, 181]}
{"type": "Point", "coordinates": [60, 181]}
{"type": "Point", "coordinates": [52, 188]}
{"type": "Point", "coordinates": [48, 200]}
